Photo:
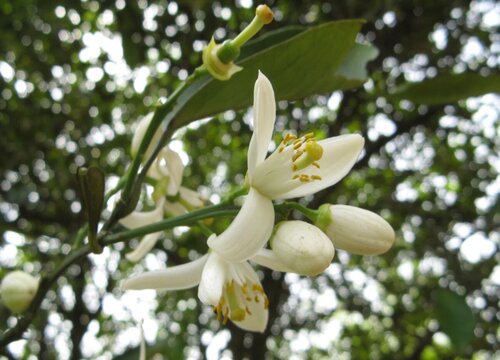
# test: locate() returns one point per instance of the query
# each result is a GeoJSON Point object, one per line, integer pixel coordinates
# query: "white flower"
{"type": "Point", "coordinates": [299, 167]}
{"type": "Point", "coordinates": [302, 247]}
{"type": "Point", "coordinates": [170, 197]}
{"type": "Point", "coordinates": [18, 290]}
{"type": "Point", "coordinates": [356, 230]}
{"type": "Point", "coordinates": [232, 288]}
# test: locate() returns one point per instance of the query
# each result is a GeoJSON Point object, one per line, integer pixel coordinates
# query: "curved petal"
{"type": "Point", "coordinates": [142, 218]}
{"type": "Point", "coordinates": [256, 322]}
{"type": "Point", "coordinates": [264, 117]}
{"type": "Point", "coordinates": [248, 232]}
{"type": "Point", "coordinates": [175, 208]}
{"type": "Point", "coordinates": [175, 168]}
{"type": "Point", "coordinates": [190, 197]}
{"type": "Point", "coordinates": [275, 176]}
{"type": "Point", "coordinates": [212, 280]}
{"type": "Point", "coordinates": [145, 246]}
{"type": "Point", "coordinates": [177, 277]}
{"type": "Point", "coordinates": [139, 133]}
{"type": "Point", "coordinates": [268, 258]}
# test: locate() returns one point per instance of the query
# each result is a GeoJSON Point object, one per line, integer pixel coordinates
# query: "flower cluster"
{"type": "Point", "coordinates": [300, 166]}
{"type": "Point", "coordinates": [169, 196]}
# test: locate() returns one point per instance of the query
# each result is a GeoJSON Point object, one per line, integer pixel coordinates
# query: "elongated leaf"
{"type": "Point", "coordinates": [298, 63]}
{"type": "Point", "coordinates": [449, 88]}
{"type": "Point", "coordinates": [455, 317]}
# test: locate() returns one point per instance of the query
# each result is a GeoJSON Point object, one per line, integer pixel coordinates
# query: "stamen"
{"type": "Point", "coordinates": [309, 135]}
{"type": "Point", "coordinates": [315, 164]}
{"type": "Point", "coordinates": [297, 155]}
{"type": "Point", "coordinates": [248, 310]}
{"type": "Point", "coordinates": [316, 177]}
{"type": "Point", "coordinates": [295, 176]}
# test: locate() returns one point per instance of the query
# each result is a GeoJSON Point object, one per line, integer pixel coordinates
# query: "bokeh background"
{"type": "Point", "coordinates": [74, 78]}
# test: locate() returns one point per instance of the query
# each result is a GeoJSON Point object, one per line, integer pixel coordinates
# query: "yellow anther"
{"type": "Point", "coordinates": [257, 287]}
{"type": "Point", "coordinates": [316, 177]}
{"type": "Point", "coordinates": [309, 135]}
{"type": "Point", "coordinates": [238, 314]}
{"type": "Point", "coordinates": [315, 164]}
{"type": "Point", "coordinates": [297, 146]}
{"type": "Point", "coordinates": [295, 176]}
{"type": "Point", "coordinates": [256, 299]}
{"type": "Point", "coordinates": [248, 310]}
{"type": "Point", "coordinates": [297, 155]}
{"type": "Point", "coordinates": [281, 148]}
{"type": "Point", "coordinates": [298, 141]}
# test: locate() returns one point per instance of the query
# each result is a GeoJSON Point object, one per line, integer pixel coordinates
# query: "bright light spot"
{"type": "Point", "coordinates": [94, 74]}
{"type": "Point", "coordinates": [477, 247]}
{"type": "Point", "coordinates": [217, 344]}
{"type": "Point", "coordinates": [6, 71]}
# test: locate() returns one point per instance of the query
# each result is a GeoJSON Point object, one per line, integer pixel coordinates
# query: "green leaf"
{"type": "Point", "coordinates": [448, 88]}
{"type": "Point", "coordinates": [91, 184]}
{"type": "Point", "coordinates": [455, 317]}
{"type": "Point", "coordinates": [299, 64]}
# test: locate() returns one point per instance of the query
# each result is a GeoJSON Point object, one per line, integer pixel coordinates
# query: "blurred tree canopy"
{"type": "Point", "coordinates": [74, 78]}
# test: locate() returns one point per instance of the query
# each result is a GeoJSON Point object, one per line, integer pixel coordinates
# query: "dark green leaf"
{"type": "Point", "coordinates": [91, 183]}
{"type": "Point", "coordinates": [311, 62]}
{"type": "Point", "coordinates": [455, 317]}
{"type": "Point", "coordinates": [448, 88]}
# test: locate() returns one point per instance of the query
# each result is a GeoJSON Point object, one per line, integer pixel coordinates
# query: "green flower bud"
{"type": "Point", "coordinates": [302, 247]}
{"type": "Point", "coordinates": [18, 290]}
{"type": "Point", "coordinates": [355, 230]}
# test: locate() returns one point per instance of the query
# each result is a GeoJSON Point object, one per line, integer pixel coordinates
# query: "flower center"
{"type": "Point", "coordinates": [306, 152]}
{"type": "Point", "coordinates": [235, 300]}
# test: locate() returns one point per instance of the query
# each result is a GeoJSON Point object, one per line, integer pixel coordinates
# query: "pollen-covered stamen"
{"type": "Point", "coordinates": [235, 301]}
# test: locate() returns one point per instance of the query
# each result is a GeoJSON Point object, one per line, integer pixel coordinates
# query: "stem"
{"type": "Point", "coordinates": [134, 178]}
{"type": "Point", "coordinates": [309, 213]}
{"type": "Point", "coordinates": [47, 281]}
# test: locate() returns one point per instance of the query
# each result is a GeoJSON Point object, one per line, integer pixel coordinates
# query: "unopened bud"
{"type": "Point", "coordinates": [355, 230]}
{"type": "Point", "coordinates": [302, 247]}
{"type": "Point", "coordinates": [18, 290]}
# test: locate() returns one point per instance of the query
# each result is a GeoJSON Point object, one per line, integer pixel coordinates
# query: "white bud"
{"type": "Point", "coordinates": [139, 133]}
{"type": "Point", "coordinates": [356, 230]}
{"type": "Point", "coordinates": [302, 247]}
{"type": "Point", "coordinates": [18, 290]}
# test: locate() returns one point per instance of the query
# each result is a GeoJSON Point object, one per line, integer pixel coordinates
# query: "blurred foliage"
{"type": "Point", "coordinates": [75, 76]}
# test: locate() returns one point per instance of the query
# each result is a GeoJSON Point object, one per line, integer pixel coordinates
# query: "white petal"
{"type": "Point", "coordinates": [212, 280]}
{"type": "Point", "coordinates": [268, 258]}
{"type": "Point", "coordinates": [256, 322]}
{"type": "Point", "coordinates": [174, 278]}
{"type": "Point", "coordinates": [145, 246]}
{"type": "Point", "coordinates": [248, 232]}
{"type": "Point", "coordinates": [175, 208]}
{"type": "Point", "coordinates": [168, 164]}
{"type": "Point", "coordinates": [139, 133]}
{"type": "Point", "coordinates": [142, 218]}
{"type": "Point", "coordinates": [192, 198]}
{"type": "Point", "coordinates": [274, 177]}
{"type": "Point", "coordinates": [175, 170]}
{"type": "Point", "coordinates": [359, 231]}
{"type": "Point", "coordinates": [264, 117]}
